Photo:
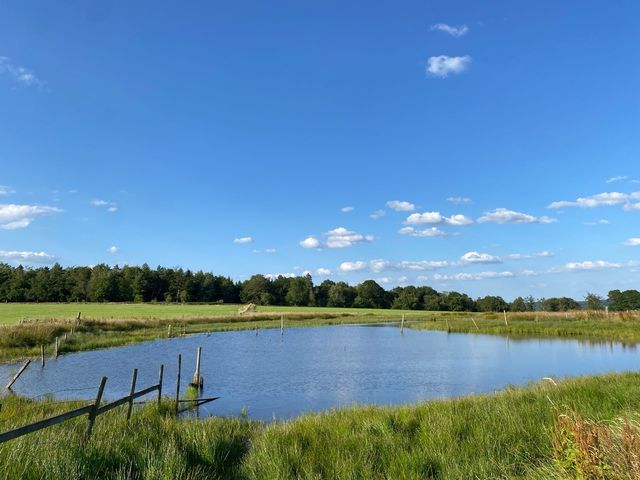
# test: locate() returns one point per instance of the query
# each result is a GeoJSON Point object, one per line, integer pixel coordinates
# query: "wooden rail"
{"type": "Point", "coordinates": [93, 410]}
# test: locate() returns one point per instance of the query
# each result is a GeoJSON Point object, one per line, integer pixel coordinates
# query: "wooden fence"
{"type": "Point", "coordinates": [92, 411]}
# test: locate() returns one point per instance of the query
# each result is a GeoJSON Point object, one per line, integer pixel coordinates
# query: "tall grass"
{"type": "Point", "coordinates": [511, 434]}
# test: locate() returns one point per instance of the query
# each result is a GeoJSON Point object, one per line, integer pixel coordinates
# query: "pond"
{"type": "Point", "coordinates": [313, 369]}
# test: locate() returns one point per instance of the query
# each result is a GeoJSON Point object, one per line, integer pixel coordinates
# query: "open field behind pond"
{"type": "Point", "coordinates": [15, 312]}
{"type": "Point", "coordinates": [517, 433]}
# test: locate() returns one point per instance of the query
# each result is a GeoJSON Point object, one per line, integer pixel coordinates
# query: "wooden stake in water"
{"type": "Point", "coordinates": [55, 347]}
{"type": "Point", "coordinates": [402, 324]}
{"type": "Point", "coordinates": [178, 382]}
{"type": "Point", "coordinates": [169, 332]}
{"type": "Point", "coordinates": [448, 328]}
{"type": "Point", "coordinates": [15, 377]}
{"type": "Point", "coordinates": [196, 381]}
{"type": "Point", "coordinates": [160, 375]}
{"type": "Point", "coordinates": [281, 325]}
{"type": "Point", "coordinates": [474, 322]}
{"type": "Point", "coordinates": [505, 318]}
{"type": "Point", "coordinates": [42, 355]}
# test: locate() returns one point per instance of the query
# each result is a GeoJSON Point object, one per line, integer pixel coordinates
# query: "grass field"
{"type": "Point", "coordinates": [533, 432]}
{"type": "Point", "coordinates": [15, 312]}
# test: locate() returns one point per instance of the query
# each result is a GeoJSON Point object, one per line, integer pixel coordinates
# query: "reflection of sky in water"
{"type": "Point", "coordinates": [320, 368]}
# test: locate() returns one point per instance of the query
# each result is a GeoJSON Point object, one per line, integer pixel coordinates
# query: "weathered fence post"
{"type": "Point", "coordinates": [402, 324]}
{"type": "Point", "coordinates": [196, 381]}
{"type": "Point", "coordinates": [55, 347]}
{"type": "Point", "coordinates": [474, 322]}
{"type": "Point", "coordinates": [169, 332]}
{"type": "Point", "coordinates": [134, 377]}
{"type": "Point", "coordinates": [42, 355]}
{"type": "Point", "coordinates": [178, 382]}
{"type": "Point", "coordinates": [281, 325]}
{"type": "Point", "coordinates": [15, 377]}
{"type": "Point", "coordinates": [160, 374]}
{"type": "Point", "coordinates": [505, 318]}
{"type": "Point", "coordinates": [94, 411]}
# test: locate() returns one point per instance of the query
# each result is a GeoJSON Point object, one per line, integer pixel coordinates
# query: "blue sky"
{"type": "Point", "coordinates": [230, 137]}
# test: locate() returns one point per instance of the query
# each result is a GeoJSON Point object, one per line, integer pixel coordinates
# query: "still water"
{"type": "Point", "coordinates": [314, 369]}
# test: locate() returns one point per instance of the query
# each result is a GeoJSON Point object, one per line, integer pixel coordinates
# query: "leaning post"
{"type": "Point", "coordinates": [94, 411]}
{"type": "Point", "coordinates": [134, 377]}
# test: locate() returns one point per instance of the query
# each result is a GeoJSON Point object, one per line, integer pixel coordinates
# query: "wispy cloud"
{"type": "Point", "coordinates": [113, 249]}
{"type": "Point", "coordinates": [618, 178]}
{"type": "Point", "coordinates": [602, 221]}
{"type": "Point", "coordinates": [21, 216]}
{"type": "Point", "coordinates": [346, 209]}
{"type": "Point", "coordinates": [339, 237]}
{"type": "Point", "coordinates": [602, 199]}
{"type": "Point", "coordinates": [459, 200]}
{"type": "Point", "coordinates": [436, 218]}
{"type": "Point", "coordinates": [377, 214]}
{"type": "Point", "coordinates": [589, 265]}
{"type": "Point", "coordinates": [443, 65]}
{"type": "Point", "coordinates": [110, 206]}
{"type": "Point", "coordinates": [473, 276]}
{"type": "Point", "coordinates": [401, 206]}
{"type": "Point", "coordinates": [19, 74]}
{"type": "Point", "coordinates": [264, 250]}
{"type": "Point", "coordinates": [503, 216]}
{"type": "Point", "coordinates": [426, 232]}
{"type": "Point", "coordinates": [633, 242]}
{"type": "Point", "coordinates": [381, 265]}
{"type": "Point", "coordinates": [4, 191]}
{"type": "Point", "coordinates": [454, 31]}
{"type": "Point", "coordinates": [242, 240]}
{"type": "Point", "coordinates": [347, 267]}
{"type": "Point", "coordinates": [525, 256]}
{"type": "Point", "coordinates": [27, 257]}
{"type": "Point", "coordinates": [323, 272]}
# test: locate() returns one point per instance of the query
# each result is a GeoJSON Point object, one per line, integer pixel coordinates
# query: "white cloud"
{"type": "Point", "coordinates": [473, 276]}
{"type": "Point", "coordinates": [633, 242]}
{"type": "Point", "coordinates": [377, 214]}
{"type": "Point", "coordinates": [421, 265]}
{"type": "Point", "coordinates": [402, 279]}
{"type": "Point", "coordinates": [310, 242]}
{"type": "Point", "coordinates": [113, 249]}
{"type": "Point", "coordinates": [524, 256]}
{"type": "Point", "coordinates": [273, 276]}
{"type": "Point", "coordinates": [112, 209]}
{"type": "Point", "coordinates": [323, 272]}
{"type": "Point", "coordinates": [401, 206]}
{"type": "Point", "coordinates": [478, 257]}
{"type": "Point", "coordinates": [601, 199]}
{"type": "Point", "coordinates": [436, 218]}
{"type": "Point", "coordinates": [352, 266]}
{"type": "Point", "coordinates": [442, 65]}
{"type": "Point", "coordinates": [264, 250]}
{"type": "Point", "coordinates": [427, 232]}
{"type": "Point", "coordinates": [4, 191]}
{"type": "Point", "coordinates": [503, 216]}
{"type": "Point", "coordinates": [20, 216]}
{"type": "Point", "coordinates": [384, 280]}
{"type": "Point", "coordinates": [339, 237]}
{"type": "Point", "coordinates": [459, 200]}
{"type": "Point", "coordinates": [632, 206]}
{"type": "Point", "coordinates": [590, 265]}
{"type": "Point", "coordinates": [19, 74]}
{"type": "Point", "coordinates": [27, 257]}
{"type": "Point", "coordinates": [378, 265]}
{"type": "Point", "coordinates": [451, 30]}
{"type": "Point", "coordinates": [346, 209]}
{"type": "Point", "coordinates": [242, 240]}
{"type": "Point", "coordinates": [618, 178]}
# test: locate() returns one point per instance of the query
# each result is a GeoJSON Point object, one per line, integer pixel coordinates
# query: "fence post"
{"type": "Point", "coordinates": [94, 410]}
{"type": "Point", "coordinates": [15, 377]}
{"type": "Point", "coordinates": [160, 374]}
{"type": "Point", "coordinates": [55, 348]}
{"type": "Point", "coordinates": [178, 382]}
{"type": "Point", "coordinates": [134, 377]}
{"type": "Point", "coordinates": [42, 355]}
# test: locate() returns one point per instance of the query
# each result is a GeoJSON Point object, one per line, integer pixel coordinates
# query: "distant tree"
{"type": "Point", "coordinates": [561, 304]}
{"type": "Point", "coordinates": [530, 303]}
{"type": "Point", "coordinates": [370, 295]}
{"type": "Point", "coordinates": [300, 291]}
{"type": "Point", "coordinates": [518, 305]}
{"type": "Point", "coordinates": [321, 292]}
{"type": "Point", "coordinates": [341, 295]}
{"type": "Point", "coordinates": [256, 290]}
{"type": "Point", "coordinates": [623, 301]}
{"type": "Point", "coordinates": [491, 304]}
{"type": "Point", "coordinates": [593, 301]}
{"type": "Point", "coordinates": [407, 298]}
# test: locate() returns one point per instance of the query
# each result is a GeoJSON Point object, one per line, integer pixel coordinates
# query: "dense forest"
{"type": "Point", "coordinates": [103, 283]}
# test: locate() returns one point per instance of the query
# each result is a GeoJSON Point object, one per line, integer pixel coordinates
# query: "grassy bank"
{"type": "Point", "coordinates": [597, 326]}
{"type": "Point", "coordinates": [511, 434]}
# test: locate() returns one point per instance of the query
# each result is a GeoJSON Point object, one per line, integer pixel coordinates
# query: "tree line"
{"type": "Point", "coordinates": [104, 283]}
